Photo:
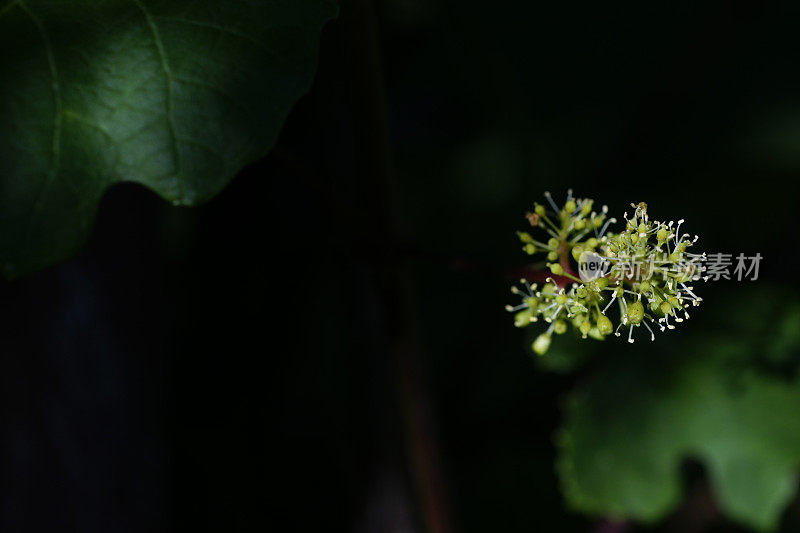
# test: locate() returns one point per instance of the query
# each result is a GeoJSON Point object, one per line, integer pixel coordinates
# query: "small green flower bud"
{"type": "Point", "coordinates": [570, 206]}
{"type": "Point", "coordinates": [529, 249]}
{"type": "Point", "coordinates": [560, 327]}
{"type": "Point", "coordinates": [642, 227]}
{"type": "Point", "coordinates": [539, 209]}
{"type": "Point", "coordinates": [636, 312]}
{"type": "Point", "coordinates": [580, 224]}
{"type": "Point", "coordinates": [556, 269]}
{"type": "Point", "coordinates": [524, 236]}
{"type": "Point", "coordinates": [585, 327]}
{"type": "Point", "coordinates": [675, 257]}
{"type": "Point", "coordinates": [595, 334]}
{"type": "Point", "coordinates": [586, 208]}
{"type": "Point", "coordinates": [662, 234]}
{"type": "Point", "coordinates": [604, 325]}
{"type": "Point", "coordinates": [591, 242]}
{"type": "Point", "coordinates": [553, 243]}
{"type": "Point", "coordinates": [552, 256]}
{"type": "Point", "coordinates": [523, 318]}
{"type": "Point", "coordinates": [577, 250]}
{"type": "Point", "coordinates": [597, 284]}
{"type": "Point", "coordinates": [581, 292]}
{"type": "Point", "coordinates": [635, 238]}
{"type": "Point", "coordinates": [561, 299]}
{"type": "Point", "coordinates": [645, 286]}
{"type": "Point", "coordinates": [541, 344]}
{"type": "Point", "coordinates": [665, 308]}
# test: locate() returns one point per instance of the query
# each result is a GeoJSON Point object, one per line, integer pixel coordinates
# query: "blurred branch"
{"type": "Point", "coordinates": [376, 183]}
{"type": "Point", "coordinates": [537, 272]}
{"type": "Point", "coordinates": [698, 511]}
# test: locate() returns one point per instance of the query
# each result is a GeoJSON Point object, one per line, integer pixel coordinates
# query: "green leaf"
{"type": "Point", "coordinates": [629, 428]}
{"type": "Point", "coordinates": [177, 95]}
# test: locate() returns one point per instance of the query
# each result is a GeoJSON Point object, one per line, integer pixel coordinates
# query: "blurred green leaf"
{"type": "Point", "coordinates": [630, 427]}
{"type": "Point", "coordinates": [175, 95]}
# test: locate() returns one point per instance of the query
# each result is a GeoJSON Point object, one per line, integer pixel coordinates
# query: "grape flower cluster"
{"type": "Point", "coordinates": [644, 271]}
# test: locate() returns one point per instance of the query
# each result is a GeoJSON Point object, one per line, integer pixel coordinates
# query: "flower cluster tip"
{"type": "Point", "coordinates": [644, 271]}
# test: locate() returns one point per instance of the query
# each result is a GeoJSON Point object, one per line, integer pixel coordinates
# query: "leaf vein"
{"type": "Point", "coordinates": [213, 88]}
{"type": "Point", "coordinates": [159, 44]}
{"type": "Point", "coordinates": [228, 31]}
{"type": "Point", "coordinates": [57, 114]}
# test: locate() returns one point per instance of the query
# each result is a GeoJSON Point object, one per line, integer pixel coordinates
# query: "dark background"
{"type": "Point", "coordinates": [324, 347]}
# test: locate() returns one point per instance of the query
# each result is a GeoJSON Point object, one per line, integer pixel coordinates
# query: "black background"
{"type": "Point", "coordinates": [323, 347]}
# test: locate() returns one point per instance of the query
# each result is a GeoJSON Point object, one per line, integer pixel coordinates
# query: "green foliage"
{"type": "Point", "coordinates": [175, 95]}
{"type": "Point", "coordinates": [631, 425]}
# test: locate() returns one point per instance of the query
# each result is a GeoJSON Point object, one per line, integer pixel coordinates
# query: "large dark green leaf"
{"type": "Point", "coordinates": [177, 95]}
